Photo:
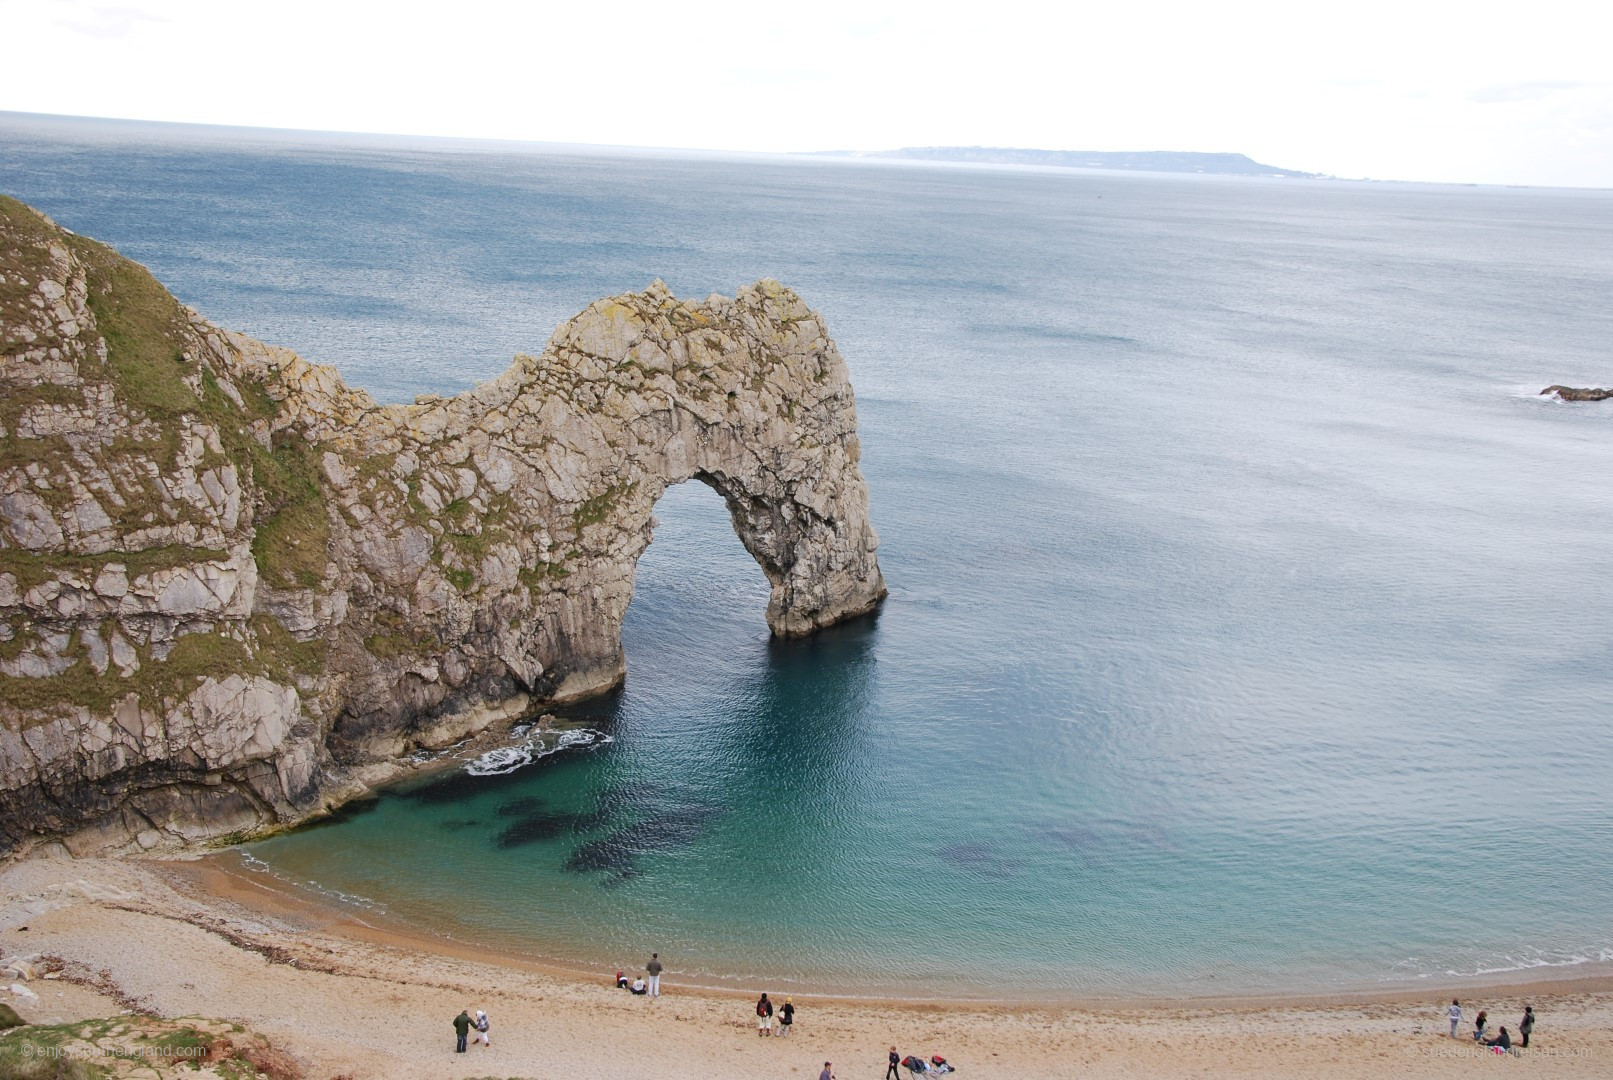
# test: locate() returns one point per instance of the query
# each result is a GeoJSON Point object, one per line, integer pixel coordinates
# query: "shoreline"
{"type": "Point", "coordinates": [269, 894]}
{"type": "Point", "coordinates": [345, 998]}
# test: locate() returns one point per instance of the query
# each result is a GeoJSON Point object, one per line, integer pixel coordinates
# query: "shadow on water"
{"type": "Point", "coordinates": [780, 734]}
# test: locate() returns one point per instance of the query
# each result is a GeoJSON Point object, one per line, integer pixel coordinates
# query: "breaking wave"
{"type": "Point", "coordinates": [538, 743]}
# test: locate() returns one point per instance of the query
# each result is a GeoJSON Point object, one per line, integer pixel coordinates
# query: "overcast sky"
{"type": "Point", "coordinates": [1496, 92]}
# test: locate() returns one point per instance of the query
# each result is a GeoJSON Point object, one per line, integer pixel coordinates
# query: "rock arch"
{"type": "Point", "coordinates": [539, 488]}
{"type": "Point", "coordinates": [234, 590]}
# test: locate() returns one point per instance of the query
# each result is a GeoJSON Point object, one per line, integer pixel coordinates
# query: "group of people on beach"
{"type": "Point", "coordinates": [1502, 1041]}
{"type": "Point", "coordinates": [764, 1016]}
{"type": "Point", "coordinates": [649, 985]}
{"type": "Point", "coordinates": [465, 1023]}
{"type": "Point", "coordinates": [642, 986]}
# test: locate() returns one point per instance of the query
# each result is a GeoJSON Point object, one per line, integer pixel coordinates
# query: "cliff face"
{"type": "Point", "coordinates": [232, 589]}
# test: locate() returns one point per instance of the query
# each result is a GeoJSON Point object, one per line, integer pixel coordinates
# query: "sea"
{"type": "Point", "coordinates": [1251, 615]}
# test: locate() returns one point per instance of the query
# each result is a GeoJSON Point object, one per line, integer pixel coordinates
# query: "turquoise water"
{"type": "Point", "coordinates": [1250, 625]}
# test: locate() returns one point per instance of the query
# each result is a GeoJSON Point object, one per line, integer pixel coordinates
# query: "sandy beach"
{"type": "Point", "coordinates": [343, 999]}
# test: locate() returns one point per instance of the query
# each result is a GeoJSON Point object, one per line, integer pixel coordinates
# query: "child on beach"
{"type": "Point", "coordinates": [482, 1025]}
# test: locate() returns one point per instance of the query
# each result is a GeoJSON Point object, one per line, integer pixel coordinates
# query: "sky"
{"type": "Point", "coordinates": [1485, 91]}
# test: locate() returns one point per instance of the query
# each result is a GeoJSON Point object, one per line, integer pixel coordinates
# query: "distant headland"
{"type": "Point", "coordinates": [1175, 161]}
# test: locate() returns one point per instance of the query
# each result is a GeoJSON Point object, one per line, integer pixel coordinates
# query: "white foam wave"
{"type": "Point", "coordinates": [1421, 968]}
{"type": "Point", "coordinates": [258, 866]}
{"type": "Point", "coordinates": [538, 743]}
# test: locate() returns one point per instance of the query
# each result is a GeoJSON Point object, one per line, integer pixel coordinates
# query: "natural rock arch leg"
{"type": "Point", "coordinates": [818, 567]}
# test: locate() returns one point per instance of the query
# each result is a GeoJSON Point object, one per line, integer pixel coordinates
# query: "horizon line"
{"type": "Point", "coordinates": [842, 154]}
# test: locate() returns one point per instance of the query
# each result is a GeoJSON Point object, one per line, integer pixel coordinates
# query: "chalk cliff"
{"type": "Point", "coordinates": [234, 590]}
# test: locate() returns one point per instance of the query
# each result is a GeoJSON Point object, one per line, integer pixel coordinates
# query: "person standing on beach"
{"type": "Point", "coordinates": [461, 1030]}
{"type": "Point", "coordinates": [1455, 1013]}
{"type": "Point", "coordinates": [786, 1017]}
{"type": "Point", "coordinates": [1526, 1026]}
{"type": "Point", "coordinates": [890, 1070]}
{"type": "Point", "coordinates": [827, 1073]}
{"type": "Point", "coordinates": [764, 1016]}
{"type": "Point", "coordinates": [482, 1025]}
{"type": "Point", "coordinates": [653, 968]}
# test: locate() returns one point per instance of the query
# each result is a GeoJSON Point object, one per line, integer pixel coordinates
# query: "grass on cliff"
{"type": "Point", "coordinates": [157, 377]}
{"type": "Point", "coordinates": [32, 569]}
{"type": "Point", "coordinates": [194, 657]}
{"type": "Point", "coordinates": [290, 545]}
{"type": "Point", "coordinates": [153, 361]}
{"type": "Point", "coordinates": [147, 1046]}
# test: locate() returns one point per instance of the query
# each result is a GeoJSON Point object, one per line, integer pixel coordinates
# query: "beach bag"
{"type": "Point", "coordinates": [761, 1008]}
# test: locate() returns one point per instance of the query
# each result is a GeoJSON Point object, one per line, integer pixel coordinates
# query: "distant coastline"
{"type": "Point", "coordinates": [1176, 161]}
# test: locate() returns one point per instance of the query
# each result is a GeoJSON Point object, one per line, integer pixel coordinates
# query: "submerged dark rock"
{"type": "Point", "coordinates": [618, 854]}
{"type": "Point", "coordinates": [1572, 393]}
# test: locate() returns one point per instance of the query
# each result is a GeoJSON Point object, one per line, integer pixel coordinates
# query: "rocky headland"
{"type": "Point", "coordinates": [234, 591]}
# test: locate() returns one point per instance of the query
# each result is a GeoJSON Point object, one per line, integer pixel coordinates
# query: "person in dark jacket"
{"type": "Point", "coordinates": [1478, 1026]}
{"type": "Point", "coordinates": [461, 1031]}
{"type": "Point", "coordinates": [1502, 1041]}
{"type": "Point", "coordinates": [890, 1070]}
{"type": "Point", "coordinates": [1527, 1026]}
{"type": "Point", "coordinates": [764, 1016]}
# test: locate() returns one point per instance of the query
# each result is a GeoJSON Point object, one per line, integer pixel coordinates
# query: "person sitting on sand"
{"type": "Point", "coordinates": [639, 986]}
{"type": "Point", "coordinates": [1502, 1041]}
{"type": "Point", "coordinates": [621, 980]}
{"type": "Point", "coordinates": [1478, 1026]}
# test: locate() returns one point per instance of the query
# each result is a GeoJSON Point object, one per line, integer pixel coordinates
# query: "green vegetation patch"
{"type": "Point", "coordinates": [32, 569]}
{"type": "Point", "coordinates": [38, 1052]}
{"type": "Point", "coordinates": [393, 638]}
{"type": "Point", "coordinates": [592, 511]}
{"type": "Point", "coordinates": [285, 657]}
{"type": "Point", "coordinates": [293, 534]}
{"type": "Point", "coordinates": [194, 657]}
{"type": "Point", "coordinates": [538, 577]}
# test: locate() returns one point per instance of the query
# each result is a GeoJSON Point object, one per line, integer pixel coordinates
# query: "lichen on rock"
{"type": "Point", "coordinates": [233, 589]}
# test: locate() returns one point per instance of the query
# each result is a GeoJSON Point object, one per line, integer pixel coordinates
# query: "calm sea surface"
{"type": "Point", "coordinates": [1251, 619]}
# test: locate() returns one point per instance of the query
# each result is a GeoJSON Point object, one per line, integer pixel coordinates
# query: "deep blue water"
{"type": "Point", "coordinates": [1251, 623]}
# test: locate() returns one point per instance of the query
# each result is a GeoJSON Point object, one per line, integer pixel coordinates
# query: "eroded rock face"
{"type": "Point", "coordinates": [231, 587]}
